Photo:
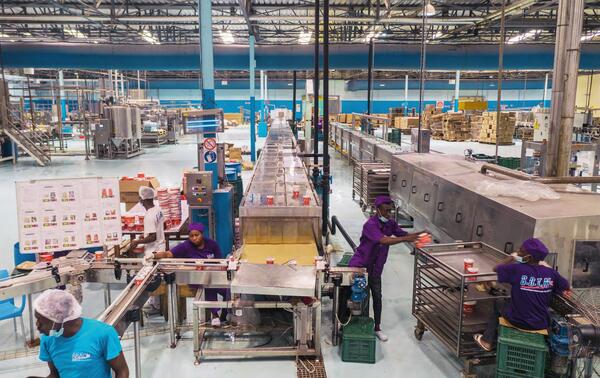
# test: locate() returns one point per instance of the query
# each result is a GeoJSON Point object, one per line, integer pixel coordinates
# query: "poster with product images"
{"type": "Point", "coordinates": [67, 214]}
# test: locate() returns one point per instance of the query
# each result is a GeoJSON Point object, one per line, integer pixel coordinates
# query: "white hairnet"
{"type": "Point", "coordinates": [57, 305]}
{"type": "Point", "coordinates": [147, 193]}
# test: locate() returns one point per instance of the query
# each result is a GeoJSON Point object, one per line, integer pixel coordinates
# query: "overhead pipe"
{"type": "Point", "coordinates": [543, 180]}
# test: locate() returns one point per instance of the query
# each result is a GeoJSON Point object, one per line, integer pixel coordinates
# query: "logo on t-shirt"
{"type": "Point", "coordinates": [537, 285]}
{"type": "Point", "coordinates": [81, 356]}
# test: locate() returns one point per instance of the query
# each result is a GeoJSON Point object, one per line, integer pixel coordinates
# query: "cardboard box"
{"type": "Point", "coordinates": [134, 185]}
{"type": "Point", "coordinates": [129, 189]}
{"type": "Point", "coordinates": [235, 153]}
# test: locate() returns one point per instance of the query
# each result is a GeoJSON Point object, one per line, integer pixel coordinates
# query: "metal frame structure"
{"type": "Point", "coordinates": [176, 22]}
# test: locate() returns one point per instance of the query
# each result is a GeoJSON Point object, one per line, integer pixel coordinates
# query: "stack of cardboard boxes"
{"type": "Point", "coordinates": [130, 186]}
{"type": "Point", "coordinates": [406, 123]}
{"type": "Point", "coordinates": [494, 129]}
{"type": "Point", "coordinates": [455, 127]}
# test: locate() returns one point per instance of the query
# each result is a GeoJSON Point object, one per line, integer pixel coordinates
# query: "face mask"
{"type": "Point", "coordinates": [56, 333]}
{"type": "Point", "coordinates": [520, 259]}
{"type": "Point", "coordinates": [381, 217]}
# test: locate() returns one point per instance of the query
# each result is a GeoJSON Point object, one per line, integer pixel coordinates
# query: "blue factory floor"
{"type": "Point", "coordinates": [402, 355]}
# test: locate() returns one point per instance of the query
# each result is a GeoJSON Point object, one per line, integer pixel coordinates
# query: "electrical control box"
{"type": "Point", "coordinates": [198, 188]}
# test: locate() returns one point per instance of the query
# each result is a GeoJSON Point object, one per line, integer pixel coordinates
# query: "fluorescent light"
{"type": "Point", "coordinates": [429, 9]}
{"type": "Point", "coordinates": [590, 35]}
{"type": "Point", "coordinates": [74, 32]}
{"type": "Point", "coordinates": [2, 35]}
{"type": "Point", "coordinates": [304, 37]}
{"type": "Point", "coordinates": [226, 37]}
{"type": "Point", "coordinates": [522, 37]}
{"type": "Point", "coordinates": [437, 35]}
{"type": "Point", "coordinates": [149, 37]}
{"type": "Point", "coordinates": [27, 34]}
{"type": "Point", "coordinates": [372, 35]}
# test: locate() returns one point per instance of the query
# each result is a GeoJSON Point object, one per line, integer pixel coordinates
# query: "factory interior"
{"type": "Point", "coordinates": [300, 188]}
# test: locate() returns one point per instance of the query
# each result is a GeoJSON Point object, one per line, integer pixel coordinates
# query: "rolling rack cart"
{"type": "Point", "coordinates": [369, 180]}
{"type": "Point", "coordinates": [455, 305]}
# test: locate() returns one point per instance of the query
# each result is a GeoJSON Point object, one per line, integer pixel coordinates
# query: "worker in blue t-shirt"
{"type": "Point", "coordinates": [532, 285]}
{"type": "Point", "coordinates": [73, 346]}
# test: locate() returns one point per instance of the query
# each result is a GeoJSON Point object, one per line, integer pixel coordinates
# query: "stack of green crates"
{"type": "Point", "coordinates": [509, 162]}
{"type": "Point", "coordinates": [395, 136]}
{"type": "Point", "coordinates": [520, 354]}
{"type": "Point", "coordinates": [358, 340]}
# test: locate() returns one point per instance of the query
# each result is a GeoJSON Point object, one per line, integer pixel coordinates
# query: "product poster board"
{"type": "Point", "coordinates": [67, 214]}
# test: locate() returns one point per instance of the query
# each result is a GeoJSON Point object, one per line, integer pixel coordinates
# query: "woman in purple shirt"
{"type": "Point", "coordinates": [198, 247]}
{"type": "Point", "coordinates": [532, 285]}
{"type": "Point", "coordinates": [379, 232]}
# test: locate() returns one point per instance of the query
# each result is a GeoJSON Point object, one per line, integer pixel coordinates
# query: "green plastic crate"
{"type": "Point", "coordinates": [504, 374]}
{"type": "Point", "coordinates": [509, 162]}
{"type": "Point", "coordinates": [343, 263]}
{"type": "Point", "coordinates": [521, 353]}
{"type": "Point", "coordinates": [358, 340]}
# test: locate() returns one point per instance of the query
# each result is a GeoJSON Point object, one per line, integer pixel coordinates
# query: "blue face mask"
{"type": "Point", "coordinates": [56, 333]}
{"type": "Point", "coordinates": [383, 219]}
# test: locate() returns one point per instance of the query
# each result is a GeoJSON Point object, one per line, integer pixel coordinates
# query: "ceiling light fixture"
{"type": "Point", "coordinates": [429, 9]}
{"type": "Point", "coordinates": [437, 35]}
{"type": "Point", "coordinates": [305, 37]}
{"type": "Point", "coordinates": [2, 35]}
{"type": "Point", "coordinates": [372, 35]}
{"type": "Point", "coordinates": [590, 35]}
{"type": "Point", "coordinates": [525, 36]}
{"type": "Point", "coordinates": [74, 33]}
{"type": "Point", "coordinates": [226, 37]}
{"type": "Point", "coordinates": [149, 37]}
{"type": "Point", "coordinates": [27, 34]}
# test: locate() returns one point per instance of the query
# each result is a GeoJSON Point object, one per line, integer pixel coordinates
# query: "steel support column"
{"type": "Point", "coordinates": [456, 90]}
{"type": "Point", "coordinates": [316, 95]}
{"type": "Point", "coordinates": [545, 97]}
{"type": "Point", "coordinates": [325, 204]}
{"type": "Point", "coordinates": [370, 75]}
{"type": "Point", "coordinates": [207, 68]}
{"type": "Point", "coordinates": [63, 100]}
{"type": "Point", "coordinates": [252, 65]}
{"type": "Point", "coordinates": [564, 86]}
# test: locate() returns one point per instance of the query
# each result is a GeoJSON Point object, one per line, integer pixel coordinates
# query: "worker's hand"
{"type": "Point", "coordinates": [133, 244]}
{"type": "Point", "coordinates": [567, 293]}
{"type": "Point", "coordinates": [412, 237]}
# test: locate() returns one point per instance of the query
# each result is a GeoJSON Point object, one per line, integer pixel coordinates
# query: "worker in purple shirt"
{"type": "Point", "coordinates": [533, 283]}
{"type": "Point", "coordinates": [198, 247]}
{"type": "Point", "coordinates": [378, 233]}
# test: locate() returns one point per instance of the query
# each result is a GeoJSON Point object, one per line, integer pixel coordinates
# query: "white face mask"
{"type": "Point", "coordinates": [56, 333]}
{"type": "Point", "coordinates": [382, 218]}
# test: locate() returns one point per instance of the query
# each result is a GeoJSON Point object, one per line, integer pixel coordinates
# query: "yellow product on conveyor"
{"type": "Point", "coordinates": [304, 254]}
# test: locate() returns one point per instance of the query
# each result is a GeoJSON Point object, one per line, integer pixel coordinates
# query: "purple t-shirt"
{"type": "Point", "coordinates": [370, 253]}
{"type": "Point", "coordinates": [532, 287]}
{"type": "Point", "coordinates": [187, 250]}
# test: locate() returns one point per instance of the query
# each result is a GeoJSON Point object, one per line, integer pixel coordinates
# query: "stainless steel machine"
{"type": "Point", "coordinates": [119, 134]}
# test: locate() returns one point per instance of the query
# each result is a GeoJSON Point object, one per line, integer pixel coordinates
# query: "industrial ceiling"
{"type": "Point", "coordinates": [282, 22]}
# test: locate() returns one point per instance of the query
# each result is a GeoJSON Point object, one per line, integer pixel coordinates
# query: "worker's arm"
{"type": "Point", "coordinates": [163, 255]}
{"type": "Point", "coordinates": [148, 239]}
{"type": "Point", "coordinates": [391, 240]}
{"type": "Point", "coordinates": [507, 260]}
{"type": "Point", "coordinates": [119, 366]}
